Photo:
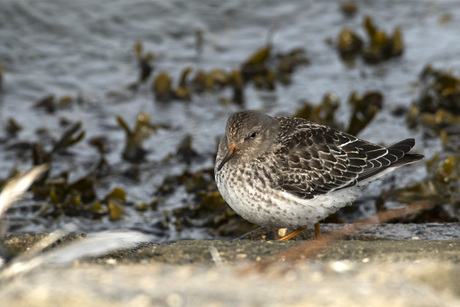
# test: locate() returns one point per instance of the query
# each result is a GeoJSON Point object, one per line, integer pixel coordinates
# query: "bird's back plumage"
{"type": "Point", "coordinates": [315, 159]}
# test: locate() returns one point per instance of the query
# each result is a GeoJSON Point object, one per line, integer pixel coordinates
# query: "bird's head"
{"type": "Point", "coordinates": [248, 135]}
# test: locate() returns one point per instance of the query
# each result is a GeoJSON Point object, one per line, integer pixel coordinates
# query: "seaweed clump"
{"type": "Point", "coordinates": [50, 104]}
{"type": "Point", "coordinates": [133, 151]}
{"type": "Point", "coordinates": [441, 188]}
{"type": "Point", "coordinates": [12, 127]}
{"type": "Point", "coordinates": [67, 139]}
{"type": "Point", "coordinates": [144, 62]}
{"type": "Point", "coordinates": [349, 8]}
{"type": "Point", "coordinates": [77, 198]}
{"type": "Point", "coordinates": [437, 108]}
{"type": "Point", "coordinates": [56, 195]}
{"type": "Point", "coordinates": [437, 111]}
{"type": "Point", "coordinates": [262, 68]}
{"type": "Point", "coordinates": [364, 110]}
{"type": "Point", "coordinates": [380, 47]}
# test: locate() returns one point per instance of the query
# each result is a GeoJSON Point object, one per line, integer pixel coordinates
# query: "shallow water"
{"type": "Point", "coordinates": [86, 48]}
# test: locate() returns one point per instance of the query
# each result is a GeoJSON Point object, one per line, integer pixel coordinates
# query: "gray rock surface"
{"type": "Point", "coordinates": [360, 271]}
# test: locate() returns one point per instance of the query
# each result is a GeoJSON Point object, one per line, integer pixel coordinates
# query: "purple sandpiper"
{"type": "Point", "coordinates": [283, 172]}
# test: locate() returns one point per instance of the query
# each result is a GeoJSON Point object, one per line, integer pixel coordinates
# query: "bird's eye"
{"type": "Point", "coordinates": [253, 135]}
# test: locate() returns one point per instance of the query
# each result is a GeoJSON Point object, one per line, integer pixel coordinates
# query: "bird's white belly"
{"type": "Point", "coordinates": [274, 208]}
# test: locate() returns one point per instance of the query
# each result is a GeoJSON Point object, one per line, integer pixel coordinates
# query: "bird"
{"type": "Point", "coordinates": [287, 172]}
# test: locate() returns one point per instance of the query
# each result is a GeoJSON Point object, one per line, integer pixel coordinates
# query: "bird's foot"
{"type": "Point", "coordinates": [293, 234]}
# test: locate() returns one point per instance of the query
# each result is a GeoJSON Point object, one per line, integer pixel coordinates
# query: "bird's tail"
{"type": "Point", "coordinates": [399, 155]}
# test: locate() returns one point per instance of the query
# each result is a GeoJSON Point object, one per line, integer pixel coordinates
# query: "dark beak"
{"type": "Point", "coordinates": [233, 151]}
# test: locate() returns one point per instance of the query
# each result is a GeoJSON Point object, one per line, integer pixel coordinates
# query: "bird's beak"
{"type": "Point", "coordinates": [233, 151]}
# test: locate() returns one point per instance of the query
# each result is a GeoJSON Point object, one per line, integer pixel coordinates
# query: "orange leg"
{"type": "Point", "coordinates": [318, 235]}
{"type": "Point", "coordinates": [293, 234]}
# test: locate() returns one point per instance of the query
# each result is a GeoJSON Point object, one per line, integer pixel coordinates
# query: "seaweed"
{"type": "Point", "coordinates": [261, 68]}
{"type": "Point", "coordinates": [437, 108]}
{"type": "Point", "coordinates": [78, 199]}
{"type": "Point", "coordinates": [441, 187]}
{"type": "Point", "coordinates": [143, 59]}
{"type": "Point", "coordinates": [441, 90]}
{"type": "Point", "coordinates": [51, 105]}
{"type": "Point", "coordinates": [198, 82]}
{"type": "Point", "coordinates": [349, 45]}
{"type": "Point", "coordinates": [114, 202]}
{"type": "Point", "coordinates": [46, 103]}
{"type": "Point", "coordinates": [67, 139]}
{"type": "Point", "coordinates": [237, 84]}
{"type": "Point", "coordinates": [364, 110]}
{"type": "Point", "coordinates": [257, 67]}
{"type": "Point", "coordinates": [12, 127]}
{"type": "Point", "coordinates": [182, 92]}
{"type": "Point", "coordinates": [380, 46]}
{"type": "Point", "coordinates": [288, 62]}
{"type": "Point", "coordinates": [133, 151]}
{"type": "Point", "coordinates": [349, 8]}
{"type": "Point", "coordinates": [185, 151]}
{"type": "Point", "coordinates": [323, 113]}
{"type": "Point", "coordinates": [162, 87]}
{"type": "Point", "coordinates": [144, 63]}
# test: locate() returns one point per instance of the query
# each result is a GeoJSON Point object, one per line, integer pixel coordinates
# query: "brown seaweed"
{"type": "Point", "coordinates": [12, 127]}
{"type": "Point", "coordinates": [323, 113]}
{"type": "Point", "coordinates": [143, 59]}
{"type": "Point", "coordinates": [133, 151]}
{"type": "Point", "coordinates": [349, 8]}
{"type": "Point", "coordinates": [364, 110]}
{"type": "Point", "coordinates": [437, 109]}
{"type": "Point", "coordinates": [288, 62]}
{"type": "Point", "coordinates": [40, 156]}
{"type": "Point", "coordinates": [182, 92]}
{"type": "Point", "coordinates": [162, 87]}
{"type": "Point", "coordinates": [380, 46]}
{"type": "Point", "coordinates": [440, 188]}
{"type": "Point", "coordinates": [350, 44]}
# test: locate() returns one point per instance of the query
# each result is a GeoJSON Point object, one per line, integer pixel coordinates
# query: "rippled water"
{"type": "Point", "coordinates": [86, 48]}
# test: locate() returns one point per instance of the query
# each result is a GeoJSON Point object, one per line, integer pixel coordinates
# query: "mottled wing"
{"type": "Point", "coordinates": [315, 159]}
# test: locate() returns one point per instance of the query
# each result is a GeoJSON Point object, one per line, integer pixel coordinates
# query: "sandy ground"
{"type": "Point", "coordinates": [365, 270]}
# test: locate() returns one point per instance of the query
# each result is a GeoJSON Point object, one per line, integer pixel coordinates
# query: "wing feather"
{"type": "Point", "coordinates": [313, 159]}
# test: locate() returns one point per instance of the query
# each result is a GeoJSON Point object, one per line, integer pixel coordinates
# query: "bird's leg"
{"type": "Point", "coordinates": [318, 235]}
{"type": "Point", "coordinates": [293, 234]}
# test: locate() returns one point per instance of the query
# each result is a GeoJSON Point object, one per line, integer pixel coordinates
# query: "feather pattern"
{"type": "Point", "coordinates": [312, 159]}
